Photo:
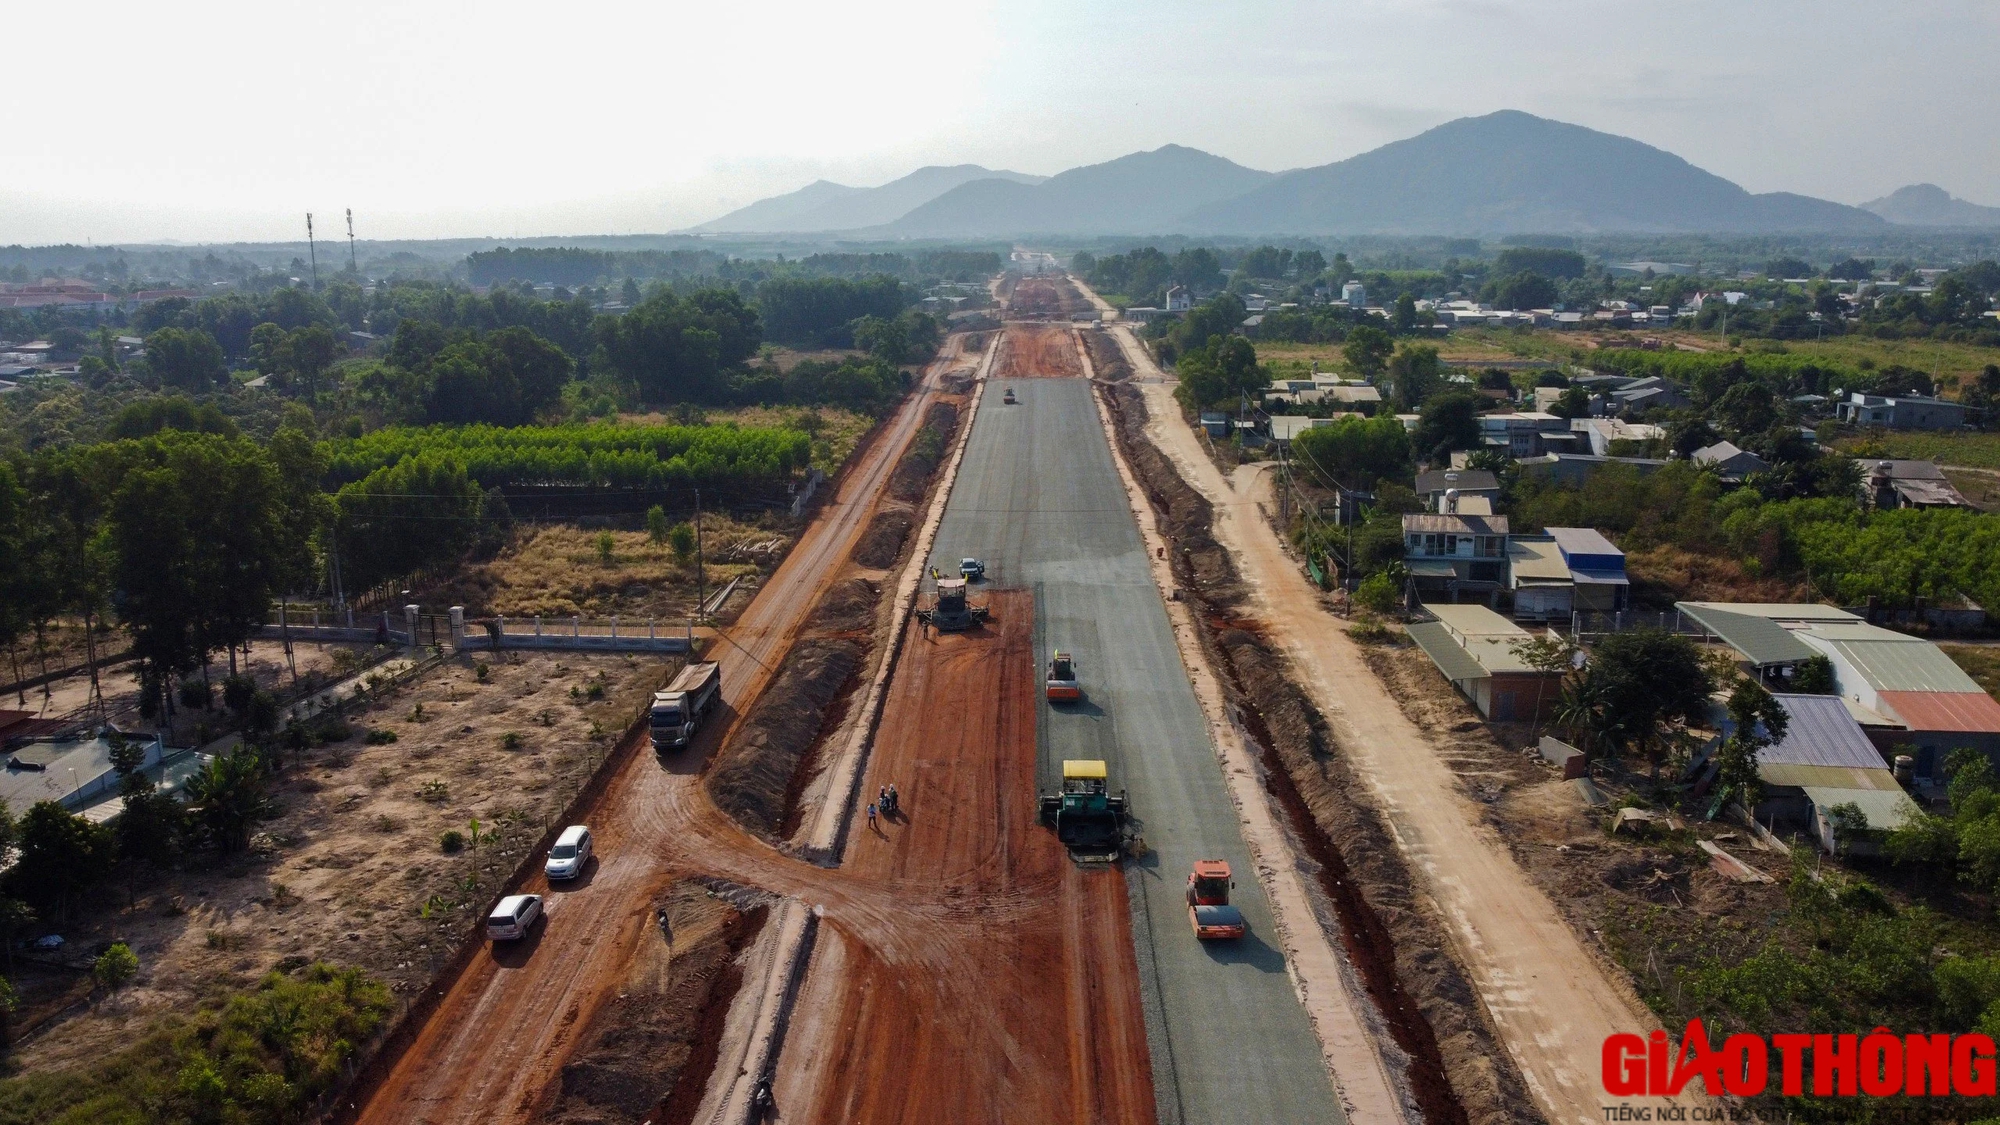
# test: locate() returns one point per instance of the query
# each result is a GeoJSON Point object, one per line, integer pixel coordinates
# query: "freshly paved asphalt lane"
{"type": "Point", "coordinates": [1039, 499]}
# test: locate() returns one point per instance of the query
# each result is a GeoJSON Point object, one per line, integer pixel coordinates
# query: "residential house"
{"type": "Point", "coordinates": [1451, 553]}
{"type": "Point", "coordinates": [1474, 648]}
{"type": "Point", "coordinates": [1637, 396]}
{"type": "Point", "coordinates": [1575, 468]}
{"type": "Point", "coordinates": [1567, 570]}
{"type": "Point", "coordinates": [1826, 762]}
{"type": "Point", "coordinates": [1354, 295]}
{"type": "Point", "coordinates": [1599, 433]}
{"type": "Point", "coordinates": [1910, 681]}
{"type": "Point", "coordinates": [1434, 484]}
{"type": "Point", "coordinates": [1179, 299]}
{"type": "Point", "coordinates": [1732, 463]}
{"type": "Point", "coordinates": [1901, 412]}
{"type": "Point", "coordinates": [75, 773]}
{"type": "Point", "coordinates": [1891, 484]}
{"type": "Point", "coordinates": [1523, 434]}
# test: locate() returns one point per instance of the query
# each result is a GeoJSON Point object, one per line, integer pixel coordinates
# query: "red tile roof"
{"type": "Point", "coordinates": [1943, 710]}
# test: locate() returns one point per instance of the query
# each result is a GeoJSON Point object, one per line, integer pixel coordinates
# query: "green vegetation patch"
{"type": "Point", "coordinates": [618, 456]}
{"type": "Point", "coordinates": [260, 1056]}
{"type": "Point", "coordinates": [1978, 451]}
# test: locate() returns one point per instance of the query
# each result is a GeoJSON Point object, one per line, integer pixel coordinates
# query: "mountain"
{"type": "Point", "coordinates": [1928, 205]}
{"type": "Point", "coordinates": [1143, 193]}
{"type": "Point", "coordinates": [824, 206]}
{"type": "Point", "coordinates": [1512, 172]}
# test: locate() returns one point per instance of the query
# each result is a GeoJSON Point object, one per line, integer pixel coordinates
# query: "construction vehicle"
{"type": "Point", "coordinates": [1088, 820]}
{"type": "Point", "coordinates": [1061, 684]}
{"type": "Point", "coordinates": [1009, 398]}
{"type": "Point", "coordinates": [971, 569]}
{"type": "Point", "coordinates": [679, 710]}
{"type": "Point", "coordinates": [1209, 911]}
{"type": "Point", "coordinates": [949, 611]}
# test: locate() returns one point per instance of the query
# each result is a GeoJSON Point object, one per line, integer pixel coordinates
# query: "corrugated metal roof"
{"type": "Point", "coordinates": [1891, 661]}
{"type": "Point", "coordinates": [1820, 732]}
{"type": "Point", "coordinates": [1536, 560]}
{"type": "Point", "coordinates": [1777, 611]}
{"type": "Point", "coordinates": [1584, 541]}
{"type": "Point", "coordinates": [1476, 621]}
{"type": "Point", "coordinates": [1431, 568]}
{"type": "Point", "coordinates": [1944, 710]}
{"type": "Point", "coordinates": [1837, 777]}
{"type": "Point", "coordinates": [1468, 480]}
{"type": "Point", "coordinates": [1884, 811]}
{"type": "Point", "coordinates": [1456, 664]}
{"type": "Point", "coordinates": [1761, 640]}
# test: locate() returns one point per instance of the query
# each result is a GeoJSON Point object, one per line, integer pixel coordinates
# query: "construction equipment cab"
{"type": "Point", "coordinates": [1088, 820]}
{"type": "Point", "coordinates": [1009, 398]}
{"type": "Point", "coordinates": [1062, 685]}
{"type": "Point", "coordinates": [1209, 911]}
{"type": "Point", "coordinates": [949, 611]}
{"type": "Point", "coordinates": [679, 710]}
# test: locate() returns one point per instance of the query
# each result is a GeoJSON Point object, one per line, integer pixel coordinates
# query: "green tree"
{"type": "Point", "coordinates": [1814, 676]}
{"type": "Point", "coordinates": [1416, 373]}
{"type": "Point", "coordinates": [885, 339]}
{"type": "Point", "coordinates": [187, 359]}
{"type": "Point", "coordinates": [1405, 315]}
{"type": "Point", "coordinates": [1757, 721]}
{"type": "Point", "coordinates": [680, 538]}
{"type": "Point", "coordinates": [226, 798]}
{"type": "Point", "coordinates": [1551, 656]}
{"type": "Point", "coordinates": [1647, 686]}
{"type": "Point", "coordinates": [420, 510]}
{"type": "Point", "coordinates": [1525, 290]}
{"type": "Point", "coordinates": [1448, 421]}
{"type": "Point", "coordinates": [1574, 402]}
{"type": "Point", "coordinates": [1377, 592]}
{"type": "Point", "coordinates": [1355, 452]}
{"type": "Point", "coordinates": [1367, 351]}
{"type": "Point", "coordinates": [61, 857]}
{"type": "Point", "coordinates": [1222, 371]}
{"type": "Point", "coordinates": [656, 524]}
{"type": "Point", "coordinates": [679, 349]}
{"type": "Point", "coordinates": [115, 966]}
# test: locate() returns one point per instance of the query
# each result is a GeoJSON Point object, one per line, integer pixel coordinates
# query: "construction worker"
{"type": "Point", "coordinates": [871, 814]}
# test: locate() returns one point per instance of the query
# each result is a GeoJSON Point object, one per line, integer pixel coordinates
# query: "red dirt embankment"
{"type": "Point", "coordinates": [1045, 298]}
{"type": "Point", "coordinates": [1013, 995]}
{"type": "Point", "coordinates": [1039, 351]}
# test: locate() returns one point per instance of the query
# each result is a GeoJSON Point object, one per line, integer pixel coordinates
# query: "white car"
{"type": "Point", "coordinates": [570, 853]}
{"type": "Point", "coordinates": [513, 916]}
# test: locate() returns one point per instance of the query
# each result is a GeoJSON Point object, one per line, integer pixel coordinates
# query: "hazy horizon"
{"type": "Point", "coordinates": [230, 123]}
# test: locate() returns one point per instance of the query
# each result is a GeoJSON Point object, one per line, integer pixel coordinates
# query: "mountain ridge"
{"type": "Point", "coordinates": [826, 206]}
{"type": "Point", "coordinates": [1928, 205]}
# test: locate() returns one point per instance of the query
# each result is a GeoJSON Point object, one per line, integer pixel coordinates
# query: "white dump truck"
{"type": "Point", "coordinates": [679, 710]}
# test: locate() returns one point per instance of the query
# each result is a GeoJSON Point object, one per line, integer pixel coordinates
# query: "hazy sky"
{"type": "Point", "coordinates": [229, 121]}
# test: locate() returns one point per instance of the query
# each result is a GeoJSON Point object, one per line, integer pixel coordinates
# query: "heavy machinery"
{"type": "Point", "coordinates": [1088, 820]}
{"type": "Point", "coordinates": [949, 611]}
{"type": "Point", "coordinates": [1009, 398]}
{"type": "Point", "coordinates": [1209, 911]}
{"type": "Point", "coordinates": [678, 711]}
{"type": "Point", "coordinates": [1061, 684]}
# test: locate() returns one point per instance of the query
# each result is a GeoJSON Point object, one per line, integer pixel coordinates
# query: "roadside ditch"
{"type": "Point", "coordinates": [1394, 939]}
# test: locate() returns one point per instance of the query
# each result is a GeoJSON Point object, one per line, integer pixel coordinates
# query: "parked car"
{"type": "Point", "coordinates": [512, 918]}
{"type": "Point", "coordinates": [971, 569]}
{"type": "Point", "coordinates": [570, 853]}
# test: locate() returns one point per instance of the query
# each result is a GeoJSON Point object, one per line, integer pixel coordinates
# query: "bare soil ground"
{"type": "Point", "coordinates": [1041, 352]}
{"type": "Point", "coordinates": [557, 572]}
{"type": "Point", "coordinates": [1666, 574]}
{"type": "Point", "coordinates": [1106, 357]}
{"type": "Point", "coordinates": [316, 666]}
{"type": "Point", "coordinates": [913, 473]}
{"type": "Point", "coordinates": [883, 540]}
{"type": "Point", "coordinates": [1045, 298]}
{"type": "Point", "coordinates": [344, 871]}
{"type": "Point", "coordinates": [1456, 1069]}
{"type": "Point", "coordinates": [1019, 1000]}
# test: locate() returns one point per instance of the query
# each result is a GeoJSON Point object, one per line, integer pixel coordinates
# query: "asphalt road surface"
{"type": "Point", "coordinates": [1039, 499]}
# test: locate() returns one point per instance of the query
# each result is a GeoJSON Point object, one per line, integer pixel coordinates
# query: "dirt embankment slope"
{"type": "Point", "coordinates": [1396, 940]}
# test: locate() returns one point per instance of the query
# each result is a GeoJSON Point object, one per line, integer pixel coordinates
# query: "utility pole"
{"type": "Point", "coordinates": [700, 588]}
{"type": "Point", "coordinates": [311, 249]}
{"type": "Point", "coordinates": [352, 266]}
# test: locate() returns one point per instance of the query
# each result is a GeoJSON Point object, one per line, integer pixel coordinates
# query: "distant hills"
{"type": "Point", "coordinates": [1504, 173]}
{"type": "Point", "coordinates": [824, 205]}
{"type": "Point", "coordinates": [1928, 205]}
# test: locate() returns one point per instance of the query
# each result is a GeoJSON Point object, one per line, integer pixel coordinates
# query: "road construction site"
{"type": "Point", "coordinates": [950, 961]}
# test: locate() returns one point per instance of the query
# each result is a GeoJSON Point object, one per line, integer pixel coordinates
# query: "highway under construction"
{"type": "Point", "coordinates": [958, 964]}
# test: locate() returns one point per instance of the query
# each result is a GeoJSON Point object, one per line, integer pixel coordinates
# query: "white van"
{"type": "Point", "coordinates": [513, 916]}
{"type": "Point", "coordinates": [570, 853]}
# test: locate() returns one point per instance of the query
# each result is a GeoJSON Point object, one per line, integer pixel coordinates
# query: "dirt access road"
{"type": "Point", "coordinates": [1040, 499]}
{"type": "Point", "coordinates": [507, 1023]}
{"type": "Point", "coordinates": [1553, 1000]}
{"type": "Point", "coordinates": [1010, 993]}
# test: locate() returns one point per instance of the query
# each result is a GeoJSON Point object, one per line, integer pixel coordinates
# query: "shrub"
{"type": "Point", "coordinates": [1377, 592]}
{"type": "Point", "coordinates": [452, 842]}
{"type": "Point", "coordinates": [482, 671]}
{"type": "Point", "coordinates": [380, 736]}
{"type": "Point", "coordinates": [511, 740]}
{"type": "Point", "coordinates": [434, 791]}
{"type": "Point", "coordinates": [606, 542]}
{"type": "Point", "coordinates": [194, 693]}
{"type": "Point", "coordinates": [115, 966]}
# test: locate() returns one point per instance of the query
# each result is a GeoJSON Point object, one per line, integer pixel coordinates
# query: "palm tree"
{"type": "Point", "coordinates": [227, 798]}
